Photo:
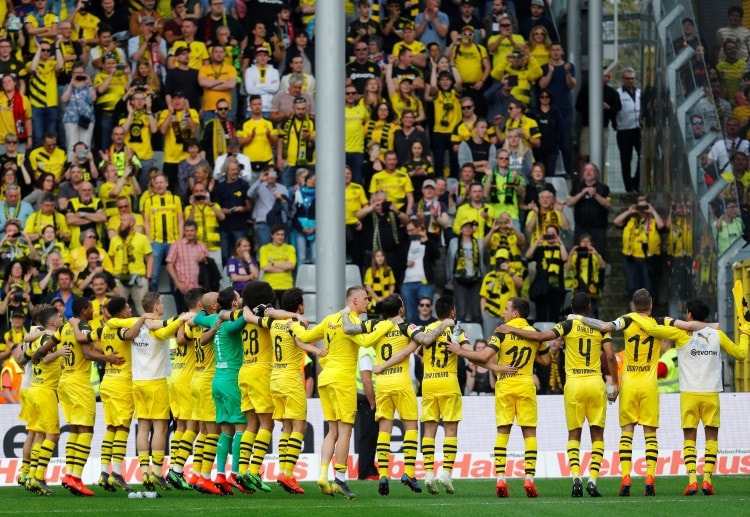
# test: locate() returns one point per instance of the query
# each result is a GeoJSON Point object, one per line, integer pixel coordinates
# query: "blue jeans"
{"type": "Point", "coordinates": [228, 240]}
{"type": "Point", "coordinates": [354, 161]}
{"type": "Point", "coordinates": [160, 250]}
{"type": "Point", "coordinates": [262, 235]}
{"type": "Point", "coordinates": [411, 293]}
{"type": "Point", "coordinates": [105, 124]}
{"type": "Point", "coordinates": [300, 244]}
{"type": "Point", "coordinates": [43, 120]}
{"type": "Point", "coordinates": [636, 273]}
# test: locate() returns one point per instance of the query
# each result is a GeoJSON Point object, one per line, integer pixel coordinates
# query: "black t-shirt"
{"type": "Point", "coordinates": [360, 73]}
{"type": "Point", "coordinates": [588, 212]}
{"type": "Point", "coordinates": [185, 81]}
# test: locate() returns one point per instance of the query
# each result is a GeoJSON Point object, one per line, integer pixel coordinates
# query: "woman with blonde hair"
{"type": "Point", "coordinates": [379, 282]}
{"type": "Point", "coordinates": [539, 44]}
{"type": "Point", "coordinates": [520, 155]}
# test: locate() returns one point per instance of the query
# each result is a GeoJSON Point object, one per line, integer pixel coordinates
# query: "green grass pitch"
{"type": "Point", "coordinates": [471, 498]}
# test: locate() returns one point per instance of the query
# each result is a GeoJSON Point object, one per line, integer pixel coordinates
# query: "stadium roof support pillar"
{"type": "Point", "coordinates": [596, 92]}
{"type": "Point", "coordinates": [329, 122]}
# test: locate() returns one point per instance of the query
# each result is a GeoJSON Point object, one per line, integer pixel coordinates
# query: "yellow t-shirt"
{"type": "Point", "coordinates": [85, 25]}
{"type": "Point", "coordinates": [108, 100]}
{"type": "Point", "coordinates": [260, 148]}
{"type": "Point", "coordinates": [468, 61]}
{"type": "Point", "coordinates": [138, 138]}
{"type": "Point", "coordinates": [270, 255]}
{"type": "Point", "coordinates": [53, 163]}
{"type": "Point", "coordinates": [210, 96]}
{"type": "Point", "coordinates": [129, 257]}
{"type": "Point", "coordinates": [110, 203]}
{"type": "Point", "coordinates": [174, 151]}
{"type": "Point", "coordinates": [355, 118]}
{"type": "Point", "coordinates": [396, 186]}
{"type": "Point", "coordinates": [7, 121]}
{"type": "Point", "coordinates": [355, 199]}
{"type": "Point", "coordinates": [198, 52]}
{"type": "Point", "coordinates": [42, 89]}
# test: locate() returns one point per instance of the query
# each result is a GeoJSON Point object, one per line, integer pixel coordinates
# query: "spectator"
{"type": "Point", "coordinates": [588, 266]}
{"type": "Point", "coordinates": [379, 283]}
{"type": "Point", "coordinates": [148, 12]}
{"type": "Point", "coordinates": [147, 42]}
{"type": "Point", "coordinates": [246, 169]}
{"type": "Point", "coordinates": [373, 96]}
{"type": "Point", "coordinates": [418, 167]}
{"type": "Point", "coordinates": [106, 45]}
{"type": "Point", "coordinates": [47, 216]}
{"type": "Point", "coordinates": [173, 26]}
{"type": "Point", "coordinates": [118, 153]}
{"type": "Point", "coordinates": [504, 189]}
{"type": "Point", "coordinates": [111, 85]}
{"type": "Point", "coordinates": [550, 379]}
{"type": "Point", "coordinates": [380, 130]}
{"type": "Point", "coordinates": [15, 244]}
{"type": "Point", "coordinates": [590, 200]}
{"type": "Point", "coordinates": [478, 150]}
{"type": "Point", "coordinates": [522, 71]}
{"type": "Point", "coordinates": [540, 45]}
{"type": "Point", "coordinates": [498, 285]}
{"type": "Point", "coordinates": [231, 196]}
{"type": "Point", "coordinates": [301, 47]}
{"type": "Point", "coordinates": [183, 263]}
{"type": "Point", "coordinates": [78, 260]}
{"type": "Point", "coordinates": [304, 223]}
{"type": "Point", "coordinates": [13, 209]}
{"type": "Point", "coordinates": [728, 227]}
{"type": "Point", "coordinates": [610, 105]}
{"type": "Point", "coordinates": [355, 117]}
{"type": "Point", "coordinates": [282, 104]}
{"type": "Point", "coordinates": [262, 79]}
{"type": "Point", "coordinates": [115, 187]}
{"type": "Point", "coordinates": [264, 193]}
{"type": "Point", "coordinates": [641, 243]}
{"type": "Point", "coordinates": [257, 136]}
{"type": "Point", "coordinates": [296, 146]}
{"type": "Point", "coordinates": [10, 64]}
{"type": "Point", "coordinates": [207, 215]}
{"type": "Point", "coordinates": [550, 255]}
{"type": "Point", "coordinates": [473, 65]}
{"type": "Point", "coordinates": [629, 130]}
{"type": "Point", "coordinates": [503, 235]}
{"type": "Point", "coordinates": [447, 115]}
{"type": "Point", "coordinates": [431, 24]}
{"type": "Point", "coordinates": [424, 313]}
{"type": "Point", "coordinates": [69, 189]}
{"type": "Point", "coordinates": [216, 17]}
{"type": "Point", "coordinates": [15, 117]}
{"type": "Point", "coordinates": [296, 69]}
{"type": "Point", "coordinates": [178, 123]}
{"type": "Point", "coordinates": [395, 183]}
{"type": "Point", "coordinates": [466, 18]}
{"type": "Point", "coordinates": [559, 77]}
{"type": "Point", "coordinates": [278, 260]}
{"type": "Point", "coordinates": [217, 132]}
{"type": "Point", "coordinates": [551, 129]}
{"type": "Point", "coordinates": [520, 155]}
{"type": "Point", "coordinates": [730, 70]}
{"type": "Point", "coordinates": [475, 209]}
{"type": "Point", "coordinates": [502, 40]}
{"type": "Point", "coordinates": [528, 127]}
{"type": "Point", "coordinates": [465, 128]}
{"type": "Point", "coordinates": [85, 213]}
{"type": "Point", "coordinates": [688, 38]}
{"type": "Point", "coordinates": [734, 31]}
{"type": "Point", "coordinates": [537, 183]}
{"type": "Point", "coordinates": [460, 191]}
{"type": "Point", "coordinates": [133, 261]}
{"type": "Point", "coordinates": [164, 221]}
{"type": "Point", "coordinates": [124, 209]}
{"type": "Point", "coordinates": [362, 29]}
{"type": "Point", "coordinates": [43, 93]}
{"type": "Point", "coordinates": [217, 80]}
{"type": "Point", "coordinates": [242, 268]}
{"type": "Point", "coordinates": [182, 79]}
{"type": "Point", "coordinates": [382, 229]}
{"type": "Point", "coordinates": [84, 281]}
{"type": "Point", "coordinates": [196, 49]}
{"type": "Point", "coordinates": [545, 215]}
{"type": "Point", "coordinates": [538, 18]}
{"type": "Point", "coordinates": [465, 269]}
{"type": "Point", "coordinates": [356, 199]}
{"type": "Point", "coordinates": [47, 244]}
{"type": "Point", "coordinates": [361, 69]}
{"type": "Point", "coordinates": [14, 161]}
{"type": "Point", "coordinates": [407, 134]}
{"type": "Point", "coordinates": [404, 98]}
{"type": "Point", "coordinates": [479, 380]}
{"type": "Point", "coordinates": [41, 26]}
{"type": "Point", "coordinates": [138, 127]}
{"type": "Point", "coordinates": [421, 255]}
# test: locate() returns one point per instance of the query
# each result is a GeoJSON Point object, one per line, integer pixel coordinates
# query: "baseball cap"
{"type": "Point", "coordinates": [146, 20]}
{"type": "Point", "coordinates": [261, 48]}
{"type": "Point", "coordinates": [517, 53]}
{"type": "Point", "coordinates": [471, 221]}
{"type": "Point", "coordinates": [467, 28]}
{"type": "Point", "coordinates": [540, 3]}
{"type": "Point", "coordinates": [429, 184]}
{"type": "Point", "coordinates": [17, 314]}
{"type": "Point", "coordinates": [405, 78]}
{"type": "Point", "coordinates": [178, 93]}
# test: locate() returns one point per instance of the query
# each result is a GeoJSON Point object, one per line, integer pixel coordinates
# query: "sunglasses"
{"type": "Point", "coordinates": [44, 49]}
{"type": "Point", "coordinates": [91, 236]}
{"type": "Point", "coordinates": [505, 25]}
{"type": "Point", "coordinates": [503, 157]}
{"type": "Point", "coordinates": [425, 305]}
{"type": "Point", "coordinates": [696, 122]}
{"type": "Point", "coordinates": [467, 107]}
{"type": "Point", "coordinates": [9, 142]}
{"type": "Point", "coordinates": [351, 93]}
{"type": "Point", "coordinates": [222, 109]}
{"type": "Point", "coordinates": [364, 49]}
{"type": "Point", "coordinates": [544, 96]}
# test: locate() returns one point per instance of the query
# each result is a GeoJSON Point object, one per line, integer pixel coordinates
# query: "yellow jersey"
{"type": "Point", "coordinates": [396, 186]}
{"type": "Point", "coordinates": [642, 353]}
{"type": "Point", "coordinates": [583, 348]}
{"type": "Point", "coordinates": [75, 366]}
{"type": "Point", "coordinates": [440, 366]}
{"type": "Point", "coordinates": [204, 354]}
{"type": "Point", "coordinates": [355, 199]}
{"type": "Point", "coordinates": [47, 375]}
{"type": "Point", "coordinates": [287, 356]}
{"type": "Point", "coordinates": [161, 210]}
{"type": "Point", "coordinates": [259, 149]}
{"type": "Point", "coordinates": [112, 341]}
{"type": "Point", "coordinates": [394, 341]}
{"type": "Point", "coordinates": [517, 352]}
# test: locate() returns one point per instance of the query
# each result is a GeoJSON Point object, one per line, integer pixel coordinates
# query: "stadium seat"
{"type": "Point", "coordinates": [473, 331]}
{"type": "Point", "coordinates": [170, 307]}
{"type": "Point", "coordinates": [306, 278]}
{"type": "Point", "coordinates": [310, 307]}
{"type": "Point", "coordinates": [353, 275]}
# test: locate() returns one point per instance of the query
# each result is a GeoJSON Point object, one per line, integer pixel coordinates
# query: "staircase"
{"type": "Point", "coordinates": [614, 300]}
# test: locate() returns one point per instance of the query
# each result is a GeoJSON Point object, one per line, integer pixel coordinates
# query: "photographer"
{"type": "Point", "coordinates": [78, 118]}
{"type": "Point", "coordinates": [641, 244]}
{"type": "Point", "coordinates": [110, 86]}
{"type": "Point", "coordinates": [547, 290]}
{"type": "Point", "coordinates": [139, 125]}
{"type": "Point", "coordinates": [588, 266]}
{"type": "Point", "coordinates": [231, 195]}
{"type": "Point", "coordinates": [148, 44]}
{"type": "Point", "coordinates": [498, 285]}
{"type": "Point", "coordinates": [15, 244]}
{"type": "Point", "coordinates": [92, 269]}
{"type": "Point", "coordinates": [207, 215]}
{"type": "Point", "coordinates": [16, 291]}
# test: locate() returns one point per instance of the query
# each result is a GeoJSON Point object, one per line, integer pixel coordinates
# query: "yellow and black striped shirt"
{"type": "Point", "coordinates": [76, 206]}
{"type": "Point", "coordinates": [43, 85]}
{"type": "Point", "coordinates": [162, 211]}
{"type": "Point", "coordinates": [208, 225]}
